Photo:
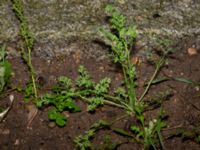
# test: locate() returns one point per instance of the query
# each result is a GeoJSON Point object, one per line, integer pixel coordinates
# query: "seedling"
{"type": "Point", "coordinates": [5, 69]}
{"type": "Point", "coordinates": [54, 115]}
{"type": "Point", "coordinates": [63, 94]}
{"type": "Point", "coordinates": [121, 38]}
{"type": "Point", "coordinates": [108, 144]}
{"type": "Point", "coordinates": [121, 42]}
{"type": "Point", "coordinates": [83, 142]}
{"type": "Point", "coordinates": [27, 43]}
{"type": "Point", "coordinates": [186, 134]}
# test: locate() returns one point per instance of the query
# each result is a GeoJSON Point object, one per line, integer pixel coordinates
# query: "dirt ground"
{"type": "Point", "coordinates": [182, 108]}
{"type": "Point", "coordinates": [66, 36]}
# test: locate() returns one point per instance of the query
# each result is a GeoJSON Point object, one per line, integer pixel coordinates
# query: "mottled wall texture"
{"type": "Point", "coordinates": [60, 24]}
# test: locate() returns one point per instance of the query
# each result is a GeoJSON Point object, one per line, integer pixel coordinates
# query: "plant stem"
{"type": "Point", "coordinates": [158, 66]}
{"type": "Point", "coordinates": [28, 40]}
{"type": "Point", "coordinates": [160, 139]}
{"type": "Point", "coordinates": [112, 97]}
{"type": "Point", "coordinates": [105, 101]}
{"type": "Point", "coordinates": [125, 75]}
{"type": "Point", "coordinates": [32, 73]}
{"type": "Point", "coordinates": [113, 104]}
{"type": "Point", "coordinates": [118, 119]}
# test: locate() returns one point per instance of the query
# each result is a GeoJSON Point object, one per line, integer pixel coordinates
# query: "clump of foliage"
{"type": "Point", "coordinates": [108, 144]}
{"type": "Point", "coordinates": [187, 134]}
{"type": "Point", "coordinates": [26, 47]}
{"type": "Point", "coordinates": [5, 74]}
{"type": "Point", "coordinates": [121, 43]}
{"type": "Point", "coordinates": [63, 94]}
{"type": "Point", "coordinates": [5, 69]}
{"type": "Point", "coordinates": [83, 142]}
{"type": "Point", "coordinates": [121, 38]}
{"type": "Point", "coordinates": [149, 133]}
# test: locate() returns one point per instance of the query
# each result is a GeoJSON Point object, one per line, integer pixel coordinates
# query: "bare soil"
{"type": "Point", "coordinates": [182, 108]}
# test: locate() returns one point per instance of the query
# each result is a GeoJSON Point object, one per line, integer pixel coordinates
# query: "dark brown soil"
{"type": "Point", "coordinates": [182, 108]}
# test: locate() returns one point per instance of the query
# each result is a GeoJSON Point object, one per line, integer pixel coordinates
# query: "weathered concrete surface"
{"type": "Point", "coordinates": [65, 26]}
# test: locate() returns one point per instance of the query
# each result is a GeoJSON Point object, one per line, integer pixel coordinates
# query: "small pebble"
{"type": "Point", "coordinates": [121, 1]}
{"type": "Point", "coordinates": [197, 88]}
{"type": "Point", "coordinates": [136, 60]}
{"type": "Point", "coordinates": [77, 56]}
{"type": "Point", "coordinates": [51, 124]}
{"type": "Point", "coordinates": [118, 77]}
{"type": "Point", "coordinates": [49, 61]}
{"type": "Point", "coordinates": [66, 114]}
{"type": "Point", "coordinates": [6, 132]}
{"type": "Point", "coordinates": [102, 68]}
{"type": "Point", "coordinates": [17, 142]}
{"type": "Point", "coordinates": [192, 51]}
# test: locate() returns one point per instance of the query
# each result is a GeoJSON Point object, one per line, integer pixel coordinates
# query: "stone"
{"type": "Point", "coordinates": [192, 51]}
{"type": "Point", "coordinates": [62, 27]}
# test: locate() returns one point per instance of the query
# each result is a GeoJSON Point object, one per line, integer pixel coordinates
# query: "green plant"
{"type": "Point", "coordinates": [121, 43]}
{"type": "Point", "coordinates": [186, 133]}
{"type": "Point", "coordinates": [63, 94]}
{"type": "Point", "coordinates": [108, 144]}
{"type": "Point", "coordinates": [27, 43]}
{"type": "Point", "coordinates": [83, 142]}
{"type": "Point", "coordinates": [54, 115]}
{"type": "Point", "coordinates": [1, 109]}
{"type": "Point", "coordinates": [121, 38]}
{"type": "Point", "coordinates": [150, 132]}
{"type": "Point", "coordinates": [5, 69]}
{"type": "Point", "coordinates": [61, 98]}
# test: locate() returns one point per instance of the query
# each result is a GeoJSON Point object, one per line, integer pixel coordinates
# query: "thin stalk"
{"type": "Point", "coordinates": [114, 104]}
{"type": "Point", "coordinates": [106, 102]}
{"type": "Point", "coordinates": [111, 102]}
{"type": "Point", "coordinates": [112, 97]}
{"type": "Point", "coordinates": [125, 75]}
{"type": "Point", "coordinates": [153, 145]}
{"type": "Point", "coordinates": [32, 73]}
{"type": "Point", "coordinates": [27, 39]}
{"type": "Point", "coordinates": [128, 108]}
{"type": "Point", "coordinates": [118, 119]}
{"type": "Point", "coordinates": [158, 66]}
{"type": "Point", "coordinates": [160, 139]}
{"type": "Point", "coordinates": [131, 95]}
{"type": "Point", "coordinates": [122, 103]}
{"type": "Point", "coordinates": [131, 80]}
{"type": "Point", "coordinates": [129, 86]}
{"type": "Point", "coordinates": [131, 90]}
{"type": "Point", "coordinates": [27, 44]}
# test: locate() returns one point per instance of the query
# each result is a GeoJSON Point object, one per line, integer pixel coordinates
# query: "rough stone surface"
{"type": "Point", "coordinates": [65, 26]}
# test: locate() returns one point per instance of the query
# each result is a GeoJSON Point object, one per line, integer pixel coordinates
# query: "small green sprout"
{"type": "Point", "coordinates": [27, 43]}
{"type": "Point", "coordinates": [5, 69]}
{"type": "Point", "coordinates": [83, 142]}
{"type": "Point", "coordinates": [54, 115]}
